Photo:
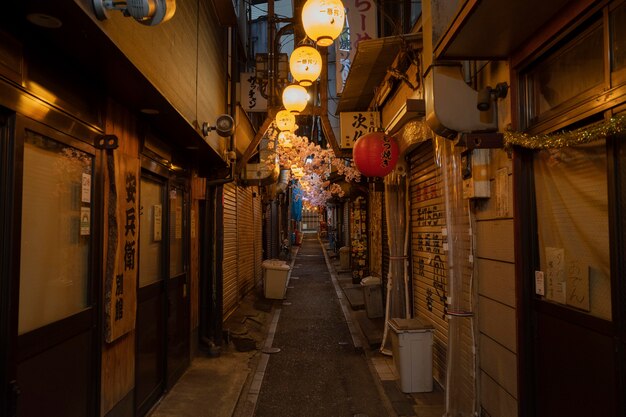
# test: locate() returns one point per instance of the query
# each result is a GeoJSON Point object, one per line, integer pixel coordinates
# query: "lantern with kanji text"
{"type": "Point", "coordinates": [375, 154]}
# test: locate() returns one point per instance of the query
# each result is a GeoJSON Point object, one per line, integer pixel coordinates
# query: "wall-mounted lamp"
{"type": "Point", "coordinates": [147, 12]}
{"type": "Point", "coordinates": [224, 126]}
{"type": "Point", "coordinates": [305, 65]}
{"type": "Point", "coordinates": [295, 98]}
{"type": "Point", "coordinates": [487, 94]}
{"type": "Point", "coordinates": [323, 20]}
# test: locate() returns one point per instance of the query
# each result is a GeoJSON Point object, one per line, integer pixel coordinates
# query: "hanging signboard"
{"type": "Point", "coordinates": [360, 25]}
{"type": "Point", "coordinates": [356, 124]}
{"type": "Point", "coordinates": [122, 227]}
{"type": "Point", "coordinates": [251, 98]}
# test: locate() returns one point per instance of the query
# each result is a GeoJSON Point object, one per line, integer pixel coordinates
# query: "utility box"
{"type": "Point", "coordinates": [372, 297]}
{"type": "Point", "coordinates": [412, 345]}
{"type": "Point", "coordinates": [344, 258]}
{"type": "Point", "coordinates": [275, 275]}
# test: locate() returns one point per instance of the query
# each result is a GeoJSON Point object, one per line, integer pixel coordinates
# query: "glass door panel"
{"type": "Point", "coordinates": [177, 260]}
{"type": "Point", "coordinates": [56, 229]}
{"type": "Point", "coordinates": [151, 231]}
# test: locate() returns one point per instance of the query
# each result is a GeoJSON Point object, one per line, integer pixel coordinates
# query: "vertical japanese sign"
{"type": "Point", "coordinates": [122, 246]}
{"type": "Point", "coordinates": [360, 25]}
{"type": "Point", "coordinates": [356, 124]}
{"type": "Point", "coordinates": [251, 98]}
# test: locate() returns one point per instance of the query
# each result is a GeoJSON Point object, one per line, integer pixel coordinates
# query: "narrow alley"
{"type": "Point", "coordinates": [318, 371]}
{"type": "Point", "coordinates": [294, 208]}
{"type": "Point", "coordinates": [305, 356]}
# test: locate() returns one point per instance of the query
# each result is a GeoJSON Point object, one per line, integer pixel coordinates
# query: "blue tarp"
{"type": "Point", "coordinates": [296, 202]}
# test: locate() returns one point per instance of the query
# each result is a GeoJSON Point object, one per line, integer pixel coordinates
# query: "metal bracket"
{"type": "Point", "coordinates": [481, 140]}
{"type": "Point", "coordinates": [106, 142]}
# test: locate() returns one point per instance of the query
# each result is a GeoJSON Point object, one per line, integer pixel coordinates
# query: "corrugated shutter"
{"type": "Point", "coordinates": [229, 263]}
{"type": "Point", "coordinates": [245, 237]}
{"type": "Point", "coordinates": [258, 239]}
{"type": "Point", "coordinates": [346, 224]}
{"type": "Point", "coordinates": [385, 247]}
{"type": "Point", "coordinates": [375, 222]}
{"type": "Point", "coordinates": [428, 259]}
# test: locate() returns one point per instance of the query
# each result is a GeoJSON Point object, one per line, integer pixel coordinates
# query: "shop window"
{"type": "Point", "coordinates": [55, 233]}
{"type": "Point", "coordinates": [569, 72]}
{"type": "Point", "coordinates": [573, 231]}
{"type": "Point", "coordinates": [618, 38]}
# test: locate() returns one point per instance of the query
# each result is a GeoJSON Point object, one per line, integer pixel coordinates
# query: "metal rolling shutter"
{"type": "Point", "coordinates": [346, 223]}
{"type": "Point", "coordinates": [428, 259]}
{"type": "Point", "coordinates": [258, 238]}
{"type": "Point", "coordinates": [385, 248]}
{"type": "Point", "coordinates": [245, 237]}
{"type": "Point", "coordinates": [229, 263]}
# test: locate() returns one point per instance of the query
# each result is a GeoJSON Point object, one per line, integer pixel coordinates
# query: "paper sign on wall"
{"type": "Point", "coordinates": [85, 221]}
{"type": "Point", "coordinates": [158, 214]}
{"type": "Point", "coordinates": [555, 274]}
{"type": "Point", "coordinates": [540, 288]}
{"type": "Point", "coordinates": [85, 195]}
{"type": "Point", "coordinates": [578, 285]}
{"type": "Point", "coordinates": [193, 224]}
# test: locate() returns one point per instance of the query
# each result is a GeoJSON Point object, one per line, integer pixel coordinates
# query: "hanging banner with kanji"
{"type": "Point", "coordinates": [121, 250]}
{"type": "Point", "coordinates": [361, 17]}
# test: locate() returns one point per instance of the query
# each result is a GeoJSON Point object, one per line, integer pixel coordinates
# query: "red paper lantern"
{"type": "Point", "coordinates": [375, 154]}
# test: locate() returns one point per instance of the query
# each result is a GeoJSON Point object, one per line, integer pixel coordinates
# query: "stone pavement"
{"type": "Point", "coordinates": [229, 385]}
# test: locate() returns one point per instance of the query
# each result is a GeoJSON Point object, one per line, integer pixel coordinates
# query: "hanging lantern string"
{"type": "Point", "coordinates": [580, 136]}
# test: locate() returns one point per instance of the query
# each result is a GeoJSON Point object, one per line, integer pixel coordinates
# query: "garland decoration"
{"type": "Point", "coordinates": [580, 136]}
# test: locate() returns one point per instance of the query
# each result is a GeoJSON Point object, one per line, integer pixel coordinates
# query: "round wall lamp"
{"type": "Point", "coordinates": [224, 126]}
{"type": "Point", "coordinates": [295, 98]}
{"type": "Point", "coordinates": [305, 65]}
{"type": "Point", "coordinates": [323, 20]}
{"type": "Point", "coordinates": [147, 12]}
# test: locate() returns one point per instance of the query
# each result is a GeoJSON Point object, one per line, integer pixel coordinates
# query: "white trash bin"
{"type": "Point", "coordinates": [412, 344]}
{"type": "Point", "coordinates": [344, 258]}
{"type": "Point", "coordinates": [275, 276]}
{"type": "Point", "coordinates": [372, 297]}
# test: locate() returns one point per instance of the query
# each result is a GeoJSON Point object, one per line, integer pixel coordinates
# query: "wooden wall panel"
{"type": "Point", "coordinates": [497, 281]}
{"type": "Point", "coordinates": [495, 321]}
{"type": "Point", "coordinates": [494, 399]}
{"type": "Point", "coordinates": [498, 362]}
{"type": "Point", "coordinates": [494, 240]}
{"type": "Point", "coordinates": [118, 358]}
{"type": "Point", "coordinates": [495, 274]}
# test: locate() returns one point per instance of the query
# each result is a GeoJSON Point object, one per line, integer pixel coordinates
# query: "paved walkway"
{"type": "Point", "coordinates": [328, 363]}
{"type": "Point", "coordinates": [318, 371]}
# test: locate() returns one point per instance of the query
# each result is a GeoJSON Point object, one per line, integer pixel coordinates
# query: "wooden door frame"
{"type": "Point", "coordinates": [157, 173]}
{"type": "Point", "coordinates": [7, 128]}
{"type": "Point", "coordinates": [54, 332]}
